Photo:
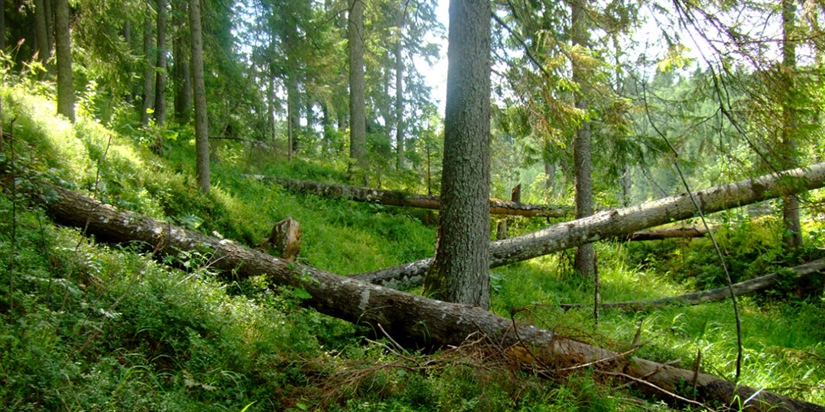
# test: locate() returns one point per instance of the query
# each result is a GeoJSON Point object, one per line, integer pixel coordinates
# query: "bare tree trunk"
{"type": "Point", "coordinates": [620, 222]}
{"type": "Point", "coordinates": [414, 320]}
{"type": "Point", "coordinates": [792, 234]}
{"type": "Point", "coordinates": [199, 89]}
{"type": "Point", "coordinates": [65, 79]}
{"type": "Point", "coordinates": [460, 269]}
{"type": "Point", "coordinates": [160, 78]}
{"type": "Point", "coordinates": [358, 120]}
{"type": "Point", "coordinates": [148, 73]}
{"type": "Point", "coordinates": [585, 261]}
{"type": "Point", "coordinates": [2, 29]}
{"type": "Point", "coordinates": [50, 25]}
{"type": "Point", "coordinates": [40, 32]}
{"type": "Point", "coordinates": [183, 82]}
{"type": "Point", "coordinates": [399, 92]}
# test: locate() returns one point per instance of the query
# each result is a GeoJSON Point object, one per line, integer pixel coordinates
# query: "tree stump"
{"type": "Point", "coordinates": [284, 241]}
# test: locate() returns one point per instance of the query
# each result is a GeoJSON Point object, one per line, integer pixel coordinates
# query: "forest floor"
{"type": "Point", "coordinates": [87, 326]}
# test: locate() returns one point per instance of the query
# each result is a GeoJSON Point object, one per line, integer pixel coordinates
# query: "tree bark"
{"type": "Point", "coordinates": [199, 91]}
{"type": "Point", "coordinates": [670, 233]}
{"type": "Point", "coordinates": [160, 75]}
{"type": "Point", "coordinates": [585, 260]}
{"type": "Point", "coordinates": [394, 198]}
{"type": "Point", "coordinates": [40, 32]}
{"type": "Point", "coordinates": [50, 27]}
{"type": "Point", "coordinates": [414, 320]}
{"type": "Point", "coordinates": [148, 73]}
{"type": "Point", "coordinates": [792, 236]}
{"type": "Point", "coordinates": [357, 112]}
{"type": "Point", "coordinates": [183, 82]}
{"type": "Point", "coordinates": [714, 295]}
{"type": "Point", "coordinates": [65, 80]}
{"type": "Point", "coordinates": [620, 222]}
{"type": "Point", "coordinates": [399, 89]}
{"type": "Point", "coordinates": [460, 269]}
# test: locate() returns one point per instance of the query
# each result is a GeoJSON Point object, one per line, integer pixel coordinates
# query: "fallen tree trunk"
{"type": "Point", "coordinates": [621, 222]}
{"type": "Point", "coordinates": [670, 233]}
{"type": "Point", "coordinates": [713, 295]}
{"type": "Point", "coordinates": [415, 320]}
{"type": "Point", "coordinates": [394, 198]}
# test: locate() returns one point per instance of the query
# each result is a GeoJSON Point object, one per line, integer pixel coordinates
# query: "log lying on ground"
{"type": "Point", "coordinates": [621, 222]}
{"type": "Point", "coordinates": [713, 295]}
{"type": "Point", "coordinates": [405, 317]}
{"type": "Point", "coordinates": [670, 233]}
{"type": "Point", "coordinates": [393, 198]}
{"type": "Point", "coordinates": [414, 320]}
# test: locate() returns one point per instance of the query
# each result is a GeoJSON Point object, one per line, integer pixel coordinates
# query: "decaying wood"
{"type": "Point", "coordinates": [715, 295]}
{"type": "Point", "coordinates": [414, 320]}
{"type": "Point", "coordinates": [393, 198]}
{"type": "Point", "coordinates": [621, 222]}
{"type": "Point", "coordinates": [670, 233]}
{"type": "Point", "coordinates": [284, 240]}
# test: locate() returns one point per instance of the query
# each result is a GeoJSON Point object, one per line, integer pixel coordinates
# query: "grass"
{"type": "Point", "coordinates": [95, 327]}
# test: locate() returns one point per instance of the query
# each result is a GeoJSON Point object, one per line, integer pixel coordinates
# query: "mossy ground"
{"type": "Point", "coordinates": [97, 327]}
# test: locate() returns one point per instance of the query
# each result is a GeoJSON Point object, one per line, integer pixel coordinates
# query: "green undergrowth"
{"type": "Point", "coordinates": [96, 327]}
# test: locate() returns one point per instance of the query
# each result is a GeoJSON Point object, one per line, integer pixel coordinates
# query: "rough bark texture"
{"type": "Point", "coordinates": [585, 260]}
{"type": "Point", "coordinates": [357, 111]}
{"type": "Point", "coordinates": [792, 235]}
{"type": "Point", "coordinates": [40, 30]}
{"type": "Point", "coordinates": [460, 271]}
{"type": "Point", "coordinates": [714, 295]}
{"type": "Point", "coordinates": [148, 72]}
{"type": "Point", "coordinates": [394, 198]}
{"type": "Point", "coordinates": [677, 232]}
{"type": "Point", "coordinates": [284, 241]}
{"type": "Point", "coordinates": [413, 320]}
{"type": "Point", "coordinates": [160, 75]}
{"type": "Point", "coordinates": [65, 80]}
{"type": "Point", "coordinates": [199, 91]}
{"type": "Point", "coordinates": [621, 222]}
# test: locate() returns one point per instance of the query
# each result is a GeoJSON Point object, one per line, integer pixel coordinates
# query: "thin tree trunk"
{"type": "Point", "coordinates": [716, 295]}
{"type": "Point", "coordinates": [148, 73]}
{"type": "Point", "coordinates": [792, 235]}
{"type": "Point", "coordinates": [394, 198]}
{"type": "Point", "coordinates": [199, 89]}
{"type": "Point", "coordinates": [40, 32]}
{"type": "Point", "coordinates": [357, 111]}
{"type": "Point", "coordinates": [672, 233]}
{"type": "Point", "coordinates": [620, 222]}
{"type": "Point", "coordinates": [3, 29]}
{"type": "Point", "coordinates": [460, 269]}
{"type": "Point", "coordinates": [160, 82]}
{"type": "Point", "coordinates": [50, 25]}
{"type": "Point", "coordinates": [399, 96]}
{"type": "Point", "coordinates": [549, 175]}
{"type": "Point", "coordinates": [293, 122]}
{"type": "Point", "coordinates": [585, 261]}
{"type": "Point", "coordinates": [414, 320]}
{"type": "Point", "coordinates": [65, 80]}
{"type": "Point", "coordinates": [183, 82]}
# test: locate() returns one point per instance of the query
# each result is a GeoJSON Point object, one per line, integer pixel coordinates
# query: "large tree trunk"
{"type": "Point", "coordinates": [620, 222]}
{"type": "Point", "coordinates": [199, 91]}
{"type": "Point", "coordinates": [65, 79]}
{"type": "Point", "coordinates": [414, 320]}
{"type": "Point", "coordinates": [3, 29]}
{"type": "Point", "coordinates": [160, 79]}
{"type": "Point", "coordinates": [460, 269]}
{"type": "Point", "coordinates": [585, 260]}
{"type": "Point", "coordinates": [714, 295]}
{"type": "Point", "coordinates": [357, 111]}
{"type": "Point", "coordinates": [394, 198]}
